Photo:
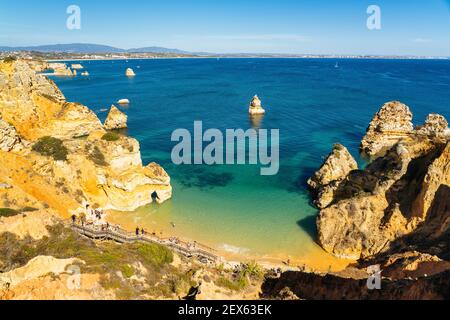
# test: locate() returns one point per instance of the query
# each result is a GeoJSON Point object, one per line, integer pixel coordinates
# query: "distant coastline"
{"type": "Point", "coordinates": [251, 57]}
{"type": "Point", "coordinates": [86, 52]}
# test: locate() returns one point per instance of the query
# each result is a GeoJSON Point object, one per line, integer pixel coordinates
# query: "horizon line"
{"type": "Point", "coordinates": [182, 51]}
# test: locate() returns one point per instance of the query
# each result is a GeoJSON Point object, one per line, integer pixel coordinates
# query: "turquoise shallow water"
{"type": "Point", "coordinates": [313, 104]}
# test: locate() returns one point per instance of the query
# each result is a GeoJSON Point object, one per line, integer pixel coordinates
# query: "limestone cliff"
{"type": "Point", "coordinates": [390, 125]}
{"type": "Point", "coordinates": [312, 286]}
{"type": "Point", "coordinates": [394, 214]}
{"type": "Point", "coordinates": [36, 107]}
{"type": "Point", "coordinates": [94, 168]}
{"type": "Point", "coordinates": [334, 170]}
{"type": "Point", "coordinates": [367, 210]}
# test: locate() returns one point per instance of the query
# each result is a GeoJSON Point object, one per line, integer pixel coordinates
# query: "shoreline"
{"type": "Point", "coordinates": [251, 57]}
{"type": "Point", "coordinates": [315, 262]}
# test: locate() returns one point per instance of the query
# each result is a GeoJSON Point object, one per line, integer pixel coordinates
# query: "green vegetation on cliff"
{"type": "Point", "coordinates": [51, 147]}
{"type": "Point", "coordinates": [111, 136]}
{"type": "Point", "coordinates": [119, 265]}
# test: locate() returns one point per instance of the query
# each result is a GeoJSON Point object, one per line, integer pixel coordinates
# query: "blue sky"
{"type": "Point", "coordinates": [414, 27]}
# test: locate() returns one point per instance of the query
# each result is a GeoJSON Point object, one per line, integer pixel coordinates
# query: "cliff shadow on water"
{"type": "Point", "coordinates": [308, 225]}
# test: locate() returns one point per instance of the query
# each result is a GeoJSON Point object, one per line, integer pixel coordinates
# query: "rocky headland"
{"type": "Point", "coordinates": [63, 148]}
{"type": "Point", "coordinates": [56, 157]}
{"type": "Point", "coordinates": [394, 213]}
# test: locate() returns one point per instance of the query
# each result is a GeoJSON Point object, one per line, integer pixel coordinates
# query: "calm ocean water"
{"type": "Point", "coordinates": [313, 104]}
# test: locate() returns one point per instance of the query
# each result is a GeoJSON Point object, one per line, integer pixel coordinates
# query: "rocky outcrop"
{"type": "Point", "coordinates": [61, 70]}
{"type": "Point", "coordinates": [36, 107]}
{"type": "Point", "coordinates": [77, 66]}
{"type": "Point", "coordinates": [390, 125]}
{"type": "Point", "coordinates": [130, 73]}
{"type": "Point", "coordinates": [412, 264]}
{"type": "Point", "coordinates": [327, 179]}
{"type": "Point", "coordinates": [126, 183]}
{"type": "Point", "coordinates": [48, 278]}
{"type": "Point", "coordinates": [85, 74]}
{"type": "Point", "coordinates": [123, 101]}
{"type": "Point", "coordinates": [37, 267]}
{"type": "Point", "coordinates": [116, 119]}
{"type": "Point", "coordinates": [256, 107]}
{"type": "Point", "coordinates": [435, 125]}
{"type": "Point", "coordinates": [9, 139]}
{"type": "Point", "coordinates": [312, 286]}
{"type": "Point", "coordinates": [366, 211]}
{"type": "Point", "coordinates": [437, 175]}
{"type": "Point", "coordinates": [107, 173]}
{"type": "Point", "coordinates": [30, 224]}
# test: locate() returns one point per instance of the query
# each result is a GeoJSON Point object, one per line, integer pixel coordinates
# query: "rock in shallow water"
{"type": "Point", "coordinates": [255, 107]}
{"type": "Point", "coordinates": [364, 211]}
{"type": "Point", "coordinates": [326, 180]}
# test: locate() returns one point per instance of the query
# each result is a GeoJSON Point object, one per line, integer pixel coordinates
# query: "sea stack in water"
{"type": "Point", "coordinates": [85, 73]}
{"type": "Point", "coordinates": [60, 69]}
{"type": "Point", "coordinates": [116, 119]}
{"type": "Point", "coordinates": [130, 73]}
{"type": "Point", "coordinates": [123, 101]}
{"type": "Point", "coordinates": [77, 66]}
{"type": "Point", "coordinates": [255, 107]}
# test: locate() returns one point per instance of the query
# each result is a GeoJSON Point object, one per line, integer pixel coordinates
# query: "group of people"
{"type": "Point", "coordinates": [140, 231]}
{"type": "Point", "coordinates": [88, 215]}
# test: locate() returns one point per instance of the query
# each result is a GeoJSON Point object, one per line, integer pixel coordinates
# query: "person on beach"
{"type": "Point", "coordinates": [142, 231]}
{"type": "Point", "coordinates": [74, 218]}
{"type": "Point", "coordinates": [137, 231]}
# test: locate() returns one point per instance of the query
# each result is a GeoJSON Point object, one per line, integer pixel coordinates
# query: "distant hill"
{"type": "Point", "coordinates": [90, 48]}
{"type": "Point", "coordinates": [157, 50]}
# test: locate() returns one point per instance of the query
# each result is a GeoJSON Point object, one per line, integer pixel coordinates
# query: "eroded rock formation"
{"type": "Point", "coordinates": [256, 107]}
{"type": "Point", "coordinates": [394, 214]}
{"type": "Point", "coordinates": [130, 73]}
{"type": "Point", "coordinates": [9, 139]}
{"type": "Point", "coordinates": [36, 107]}
{"type": "Point", "coordinates": [61, 70]}
{"type": "Point", "coordinates": [327, 179]}
{"type": "Point", "coordinates": [390, 125]}
{"type": "Point", "coordinates": [312, 286]}
{"type": "Point", "coordinates": [116, 119]}
{"type": "Point", "coordinates": [107, 173]}
{"type": "Point", "coordinates": [366, 210]}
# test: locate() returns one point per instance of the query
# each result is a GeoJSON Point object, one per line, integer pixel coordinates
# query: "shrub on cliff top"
{"type": "Point", "coordinates": [115, 263]}
{"type": "Point", "coordinates": [111, 136]}
{"type": "Point", "coordinates": [95, 155]}
{"type": "Point", "coordinates": [8, 212]}
{"type": "Point", "coordinates": [9, 59]}
{"type": "Point", "coordinates": [51, 147]}
{"type": "Point", "coordinates": [154, 254]}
